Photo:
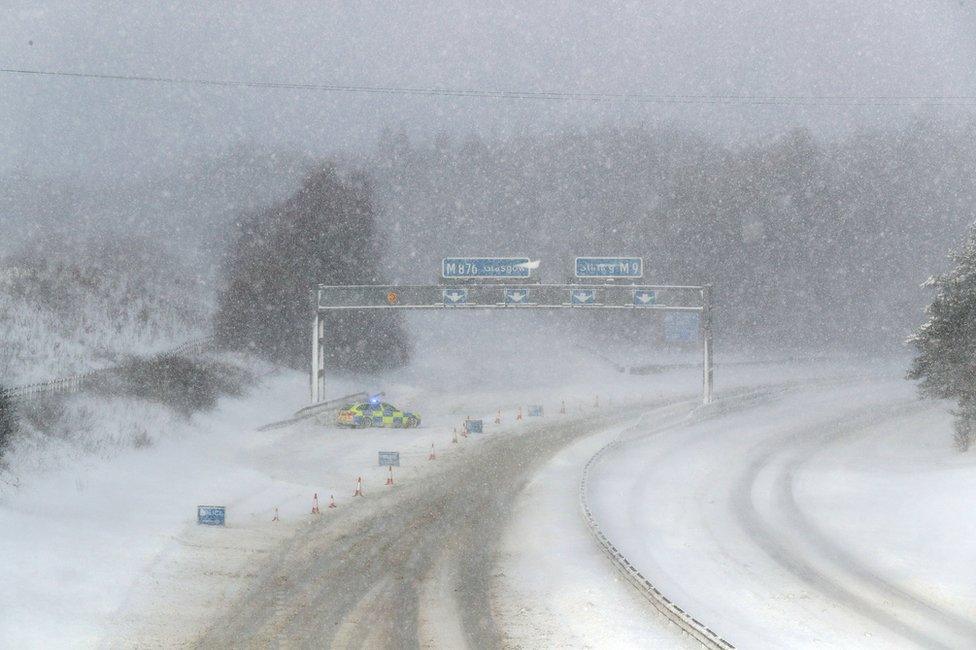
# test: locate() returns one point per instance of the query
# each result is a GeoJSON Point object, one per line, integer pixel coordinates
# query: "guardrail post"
{"type": "Point", "coordinates": [314, 375]}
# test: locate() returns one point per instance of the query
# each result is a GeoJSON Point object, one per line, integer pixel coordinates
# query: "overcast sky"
{"type": "Point", "coordinates": [756, 47]}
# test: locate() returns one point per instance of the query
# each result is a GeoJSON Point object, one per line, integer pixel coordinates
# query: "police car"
{"type": "Point", "coordinates": [375, 413]}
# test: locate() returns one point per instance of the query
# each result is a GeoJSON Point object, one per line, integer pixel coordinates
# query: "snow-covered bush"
{"type": "Point", "coordinates": [183, 384]}
{"type": "Point", "coordinates": [946, 343]}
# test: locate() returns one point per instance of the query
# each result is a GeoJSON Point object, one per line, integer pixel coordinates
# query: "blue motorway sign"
{"type": "Point", "coordinates": [474, 426]}
{"type": "Point", "coordinates": [609, 267]}
{"type": "Point", "coordinates": [516, 296]}
{"type": "Point", "coordinates": [486, 267]}
{"type": "Point", "coordinates": [681, 327]}
{"type": "Point", "coordinates": [454, 296]}
{"type": "Point", "coordinates": [535, 410]}
{"type": "Point", "coordinates": [389, 458]}
{"type": "Point", "coordinates": [582, 296]}
{"type": "Point", "coordinates": [644, 297]}
{"type": "Point", "coordinates": [211, 515]}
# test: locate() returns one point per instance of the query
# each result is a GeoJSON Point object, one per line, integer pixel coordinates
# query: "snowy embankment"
{"type": "Point", "coordinates": [831, 515]}
{"type": "Point", "coordinates": [64, 318]}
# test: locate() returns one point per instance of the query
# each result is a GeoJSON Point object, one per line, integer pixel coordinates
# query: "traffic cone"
{"type": "Point", "coordinates": [562, 408]}
{"type": "Point", "coordinates": [275, 518]}
{"type": "Point", "coordinates": [464, 430]}
{"type": "Point", "coordinates": [389, 479]}
{"type": "Point", "coordinates": [359, 487]}
{"type": "Point", "coordinates": [315, 505]}
{"type": "Point", "coordinates": [498, 417]}
{"type": "Point", "coordinates": [454, 439]}
{"type": "Point", "coordinates": [332, 501]}
{"type": "Point", "coordinates": [596, 402]}
{"type": "Point", "coordinates": [432, 455]}
{"type": "Point", "coordinates": [518, 416]}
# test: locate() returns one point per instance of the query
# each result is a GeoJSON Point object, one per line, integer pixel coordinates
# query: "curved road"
{"type": "Point", "coordinates": [710, 512]}
{"type": "Point", "coordinates": [379, 580]}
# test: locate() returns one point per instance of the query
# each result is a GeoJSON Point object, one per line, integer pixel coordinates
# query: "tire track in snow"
{"type": "Point", "coordinates": [907, 614]}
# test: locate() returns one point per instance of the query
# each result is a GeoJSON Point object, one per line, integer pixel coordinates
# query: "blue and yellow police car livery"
{"type": "Point", "coordinates": [362, 415]}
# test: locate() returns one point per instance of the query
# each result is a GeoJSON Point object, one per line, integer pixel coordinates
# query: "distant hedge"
{"type": "Point", "coordinates": [182, 383]}
{"type": "Point", "coordinates": [8, 420]}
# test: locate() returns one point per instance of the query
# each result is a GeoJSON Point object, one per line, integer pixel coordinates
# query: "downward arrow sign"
{"type": "Point", "coordinates": [582, 297]}
{"type": "Point", "coordinates": [645, 297]}
{"type": "Point", "coordinates": [516, 297]}
{"type": "Point", "coordinates": [454, 297]}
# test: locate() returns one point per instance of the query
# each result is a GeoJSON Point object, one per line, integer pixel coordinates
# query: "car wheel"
{"type": "Point", "coordinates": [367, 423]}
{"type": "Point", "coordinates": [412, 422]}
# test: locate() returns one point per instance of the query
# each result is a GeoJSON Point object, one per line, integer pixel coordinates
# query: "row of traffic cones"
{"type": "Point", "coordinates": [431, 456]}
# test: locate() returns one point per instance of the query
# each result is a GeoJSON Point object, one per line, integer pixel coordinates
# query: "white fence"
{"type": "Point", "coordinates": [75, 383]}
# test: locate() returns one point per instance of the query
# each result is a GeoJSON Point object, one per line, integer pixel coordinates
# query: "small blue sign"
{"type": "Point", "coordinates": [681, 327]}
{"type": "Point", "coordinates": [474, 426]}
{"type": "Point", "coordinates": [609, 267]}
{"type": "Point", "coordinates": [535, 411]}
{"type": "Point", "coordinates": [211, 515]}
{"type": "Point", "coordinates": [582, 296]}
{"type": "Point", "coordinates": [516, 296]}
{"type": "Point", "coordinates": [389, 458]}
{"type": "Point", "coordinates": [644, 297]}
{"type": "Point", "coordinates": [486, 267]}
{"type": "Point", "coordinates": [455, 296]}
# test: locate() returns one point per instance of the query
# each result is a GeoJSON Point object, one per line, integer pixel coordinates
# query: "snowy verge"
{"type": "Point", "coordinates": [553, 586]}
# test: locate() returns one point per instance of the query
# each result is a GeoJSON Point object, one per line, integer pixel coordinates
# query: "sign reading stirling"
{"type": "Point", "coordinates": [211, 515]}
{"type": "Point", "coordinates": [609, 267]}
{"type": "Point", "coordinates": [486, 267]}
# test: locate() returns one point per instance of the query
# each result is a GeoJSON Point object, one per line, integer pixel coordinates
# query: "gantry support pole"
{"type": "Point", "coordinates": [706, 334]}
{"type": "Point", "coordinates": [314, 381]}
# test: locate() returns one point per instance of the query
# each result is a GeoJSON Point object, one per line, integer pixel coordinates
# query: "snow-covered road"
{"type": "Point", "coordinates": [830, 516]}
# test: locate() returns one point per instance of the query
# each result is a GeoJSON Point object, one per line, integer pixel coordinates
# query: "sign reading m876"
{"type": "Point", "coordinates": [609, 267]}
{"type": "Point", "coordinates": [485, 267]}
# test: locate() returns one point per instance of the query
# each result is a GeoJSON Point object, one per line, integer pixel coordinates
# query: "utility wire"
{"type": "Point", "coordinates": [752, 100]}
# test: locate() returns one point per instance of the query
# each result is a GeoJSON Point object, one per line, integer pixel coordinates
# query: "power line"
{"type": "Point", "coordinates": [650, 98]}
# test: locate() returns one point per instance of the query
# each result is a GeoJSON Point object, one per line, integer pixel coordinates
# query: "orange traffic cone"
{"type": "Point", "coordinates": [432, 455]}
{"type": "Point", "coordinates": [315, 505]}
{"type": "Point", "coordinates": [498, 417]}
{"type": "Point", "coordinates": [332, 501]}
{"type": "Point", "coordinates": [359, 487]}
{"type": "Point", "coordinates": [518, 416]}
{"type": "Point", "coordinates": [389, 479]}
{"type": "Point", "coordinates": [464, 430]}
{"type": "Point", "coordinates": [276, 514]}
{"type": "Point", "coordinates": [562, 408]}
{"type": "Point", "coordinates": [454, 439]}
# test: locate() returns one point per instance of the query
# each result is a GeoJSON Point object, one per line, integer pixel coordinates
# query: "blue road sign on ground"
{"type": "Point", "coordinates": [644, 297]}
{"type": "Point", "coordinates": [535, 410]}
{"type": "Point", "coordinates": [582, 296]}
{"type": "Point", "coordinates": [474, 426]}
{"type": "Point", "coordinates": [609, 267]}
{"type": "Point", "coordinates": [454, 296]}
{"type": "Point", "coordinates": [681, 327]}
{"type": "Point", "coordinates": [485, 267]}
{"type": "Point", "coordinates": [389, 458]}
{"type": "Point", "coordinates": [516, 296]}
{"type": "Point", "coordinates": [211, 515]}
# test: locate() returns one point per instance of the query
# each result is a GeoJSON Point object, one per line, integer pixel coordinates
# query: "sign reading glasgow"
{"type": "Point", "coordinates": [609, 267]}
{"type": "Point", "coordinates": [485, 267]}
